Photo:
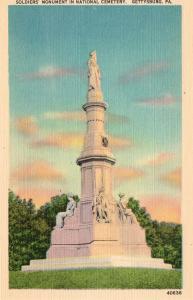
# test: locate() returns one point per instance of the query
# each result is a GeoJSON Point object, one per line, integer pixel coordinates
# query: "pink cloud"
{"type": "Point", "coordinates": [162, 207]}
{"type": "Point", "coordinates": [26, 125]}
{"type": "Point", "coordinates": [119, 142]}
{"type": "Point", "coordinates": [160, 101]}
{"type": "Point", "coordinates": [36, 171]}
{"type": "Point", "coordinates": [61, 140]}
{"type": "Point", "coordinates": [122, 174]}
{"type": "Point", "coordinates": [173, 177]}
{"type": "Point", "coordinates": [65, 115]}
{"type": "Point", "coordinates": [39, 195]}
{"type": "Point", "coordinates": [75, 140]}
{"type": "Point", "coordinates": [159, 159]}
{"type": "Point", "coordinates": [143, 71]}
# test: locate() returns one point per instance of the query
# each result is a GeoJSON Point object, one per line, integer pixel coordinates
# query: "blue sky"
{"type": "Point", "coordinates": [139, 53]}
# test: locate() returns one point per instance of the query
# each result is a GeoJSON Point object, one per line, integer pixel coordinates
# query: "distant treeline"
{"type": "Point", "coordinates": [30, 230]}
{"type": "Point", "coordinates": [165, 239]}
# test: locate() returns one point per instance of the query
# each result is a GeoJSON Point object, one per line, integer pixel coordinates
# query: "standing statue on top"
{"type": "Point", "coordinates": [94, 75]}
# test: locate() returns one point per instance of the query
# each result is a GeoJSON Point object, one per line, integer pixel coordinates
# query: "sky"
{"type": "Point", "coordinates": [139, 54]}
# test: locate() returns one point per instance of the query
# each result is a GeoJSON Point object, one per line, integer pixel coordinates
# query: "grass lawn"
{"type": "Point", "coordinates": [123, 278]}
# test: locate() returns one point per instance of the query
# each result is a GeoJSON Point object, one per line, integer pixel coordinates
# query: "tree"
{"type": "Point", "coordinates": [165, 239]}
{"type": "Point", "coordinates": [30, 228]}
{"type": "Point", "coordinates": [27, 235]}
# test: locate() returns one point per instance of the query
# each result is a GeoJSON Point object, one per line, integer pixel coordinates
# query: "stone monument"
{"type": "Point", "coordinates": [99, 232]}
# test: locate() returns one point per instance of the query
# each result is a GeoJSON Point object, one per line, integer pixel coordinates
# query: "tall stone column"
{"type": "Point", "coordinates": [96, 206]}
{"type": "Point", "coordinates": [96, 161]}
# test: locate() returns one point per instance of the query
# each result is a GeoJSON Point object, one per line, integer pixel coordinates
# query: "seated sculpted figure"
{"type": "Point", "coordinates": [60, 217]}
{"type": "Point", "coordinates": [125, 214]}
{"type": "Point", "coordinates": [101, 208]}
{"type": "Point", "coordinates": [122, 215]}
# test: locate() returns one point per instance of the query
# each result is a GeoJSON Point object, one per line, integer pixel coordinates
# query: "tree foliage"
{"type": "Point", "coordinates": [165, 239]}
{"type": "Point", "coordinates": [28, 235]}
{"type": "Point", "coordinates": [30, 228]}
{"type": "Point", "coordinates": [49, 210]}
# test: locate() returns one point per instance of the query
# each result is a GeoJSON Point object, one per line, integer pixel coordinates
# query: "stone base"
{"type": "Point", "coordinates": [111, 248]}
{"type": "Point", "coordinates": [61, 251]}
{"type": "Point", "coordinates": [111, 239]}
{"type": "Point", "coordinates": [71, 240]}
{"type": "Point", "coordinates": [98, 245]}
{"type": "Point", "coordinates": [95, 262]}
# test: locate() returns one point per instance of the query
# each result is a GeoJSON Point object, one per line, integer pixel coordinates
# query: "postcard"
{"type": "Point", "coordinates": [96, 149]}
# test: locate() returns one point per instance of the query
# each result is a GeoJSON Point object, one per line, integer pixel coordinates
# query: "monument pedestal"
{"type": "Point", "coordinates": [71, 240]}
{"type": "Point", "coordinates": [103, 245]}
{"type": "Point", "coordinates": [119, 238]}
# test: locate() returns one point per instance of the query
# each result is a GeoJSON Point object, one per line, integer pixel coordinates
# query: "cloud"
{"type": "Point", "coordinates": [126, 173]}
{"type": "Point", "coordinates": [81, 116]}
{"type": "Point", "coordinates": [173, 177]}
{"type": "Point", "coordinates": [143, 71]}
{"type": "Point", "coordinates": [119, 142]}
{"type": "Point", "coordinates": [50, 72]}
{"type": "Point", "coordinates": [39, 195]}
{"type": "Point", "coordinates": [65, 115]}
{"type": "Point", "coordinates": [115, 118]}
{"type": "Point", "coordinates": [75, 140]}
{"type": "Point", "coordinates": [26, 125]}
{"type": "Point", "coordinates": [61, 140]}
{"type": "Point", "coordinates": [168, 99]}
{"type": "Point", "coordinates": [162, 207]}
{"type": "Point", "coordinates": [36, 171]}
{"type": "Point", "coordinates": [159, 159]}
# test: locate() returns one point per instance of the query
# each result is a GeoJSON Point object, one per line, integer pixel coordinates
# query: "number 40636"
{"type": "Point", "coordinates": [174, 292]}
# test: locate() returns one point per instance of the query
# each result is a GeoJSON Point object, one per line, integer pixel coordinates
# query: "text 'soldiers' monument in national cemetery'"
{"type": "Point", "coordinates": [100, 231]}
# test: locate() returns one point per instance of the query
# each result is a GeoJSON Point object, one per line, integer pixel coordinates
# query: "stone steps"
{"type": "Point", "coordinates": [95, 262]}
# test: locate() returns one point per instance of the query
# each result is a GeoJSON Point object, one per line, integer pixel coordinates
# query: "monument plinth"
{"type": "Point", "coordinates": [99, 232]}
